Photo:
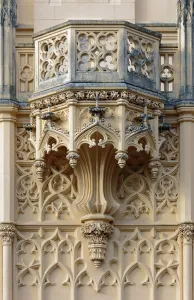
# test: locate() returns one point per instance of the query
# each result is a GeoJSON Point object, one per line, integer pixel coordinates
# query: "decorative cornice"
{"type": "Point", "coordinates": [187, 231]}
{"type": "Point", "coordinates": [82, 95]}
{"type": "Point", "coordinates": [90, 23]}
{"type": "Point", "coordinates": [7, 233]}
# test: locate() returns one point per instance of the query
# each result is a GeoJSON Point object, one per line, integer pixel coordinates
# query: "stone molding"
{"type": "Point", "coordinates": [63, 97]}
{"type": "Point", "coordinates": [7, 233]}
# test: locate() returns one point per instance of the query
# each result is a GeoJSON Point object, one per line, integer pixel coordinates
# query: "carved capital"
{"type": "Point", "coordinates": [187, 231]}
{"type": "Point", "coordinates": [7, 233]}
{"type": "Point", "coordinates": [97, 233]}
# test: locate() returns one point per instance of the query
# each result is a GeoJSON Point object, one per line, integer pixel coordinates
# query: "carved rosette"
{"type": "Point", "coordinates": [97, 233]}
{"type": "Point", "coordinates": [7, 233]}
{"type": "Point", "coordinates": [154, 166]}
{"type": "Point", "coordinates": [40, 169]}
{"type": "Point", "coordinates": [187, 231]}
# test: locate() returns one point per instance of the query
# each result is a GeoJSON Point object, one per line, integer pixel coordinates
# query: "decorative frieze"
{"type": "Point", "coordinates": [91, 95]}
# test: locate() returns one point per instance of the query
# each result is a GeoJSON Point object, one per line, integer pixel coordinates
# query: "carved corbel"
{"type": "Point", "coordinates": [154, 166]}
{"type": "Point", "coordinates": [7, 233]}
{"type": "Point", "coordinates": [122, 158]}
{"type": "Point", "coordinates": [97, 229]}
{"type": "Point", "coordinates": [40, 165]}
{"type": "Point", "coordinates": [73, 157]}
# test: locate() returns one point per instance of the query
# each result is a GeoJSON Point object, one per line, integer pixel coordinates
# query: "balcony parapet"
{"type": "Point", "coordinates": [100, 53]}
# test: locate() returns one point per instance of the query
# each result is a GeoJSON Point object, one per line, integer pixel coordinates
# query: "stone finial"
{"type": "Point", "coordinates": [7, 233]}
{"type": "Point", "coordinates": [187, 231]}
{"type": "Point", "coordinates": [97, 233]}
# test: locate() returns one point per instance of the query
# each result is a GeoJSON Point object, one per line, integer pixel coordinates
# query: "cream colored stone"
{"type": "Point", "coordinates": [94, 187]}
{"type": "Point", "coordinates": [43, 11]}
{"type": "Point", "coordinates": [155, 11]}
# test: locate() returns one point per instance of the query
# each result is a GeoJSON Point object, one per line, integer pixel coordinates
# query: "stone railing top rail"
{"type": "Point", "coordinates": [95, 23]}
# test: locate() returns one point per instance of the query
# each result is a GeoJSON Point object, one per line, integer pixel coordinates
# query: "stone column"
{"type": "Point", "coordinates": [185, 21]}
{"type": "Point", "coordinates": [8, 19]}
{"type": "Point", "coordinates": [186, 120]}
{"type": "Point", "coordinates": [187, 234]}
{"type": "Point", "coordinates": [7, 233]}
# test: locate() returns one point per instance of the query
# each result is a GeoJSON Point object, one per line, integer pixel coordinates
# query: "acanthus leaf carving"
{"type": "Point", "coordinates": [7, 233]}
{"type": "Point", "coordinates": [97, 234]}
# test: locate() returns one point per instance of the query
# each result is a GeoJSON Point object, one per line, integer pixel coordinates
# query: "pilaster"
{"type": "Point", "coordinates": [7, 49]}
{"type": "Point", "coordinates": [7, 163]}
{"type": "Point", "coordinates": [7, 233]}
{"type": "Point", "coordinates": [186, 120]}
{"type": "Point", "coordinates": [185, 22]}
{"type": "Point", "coordinates": [187, 234]}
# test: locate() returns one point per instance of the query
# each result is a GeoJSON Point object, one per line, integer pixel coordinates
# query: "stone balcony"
{"type": "Point", "coordinates": [96, 54]}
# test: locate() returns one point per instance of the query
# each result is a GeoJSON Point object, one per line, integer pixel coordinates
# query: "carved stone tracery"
{"type": "Point", "coordinates": [96, 51]}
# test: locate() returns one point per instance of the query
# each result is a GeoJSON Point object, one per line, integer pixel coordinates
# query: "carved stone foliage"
{"type": "Point", "coordinates": [7, 233]}
{"type": "Point", "coordinates": [96, 51]}
{"type": "Point", "coordinates": [24, 149]}
{"type": "Point", "coordinates": [54, 262]}
{"type": "Point", "coordinates": [97, 234]}
{"type": "Point", "coordinates": [187, 231]}
{"type": "Point", "coordinates": [91, 95]}
{"type": "Point", "coordinates": [140, 55]}
{"type": "Point", "coordinates": [53, 57]}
